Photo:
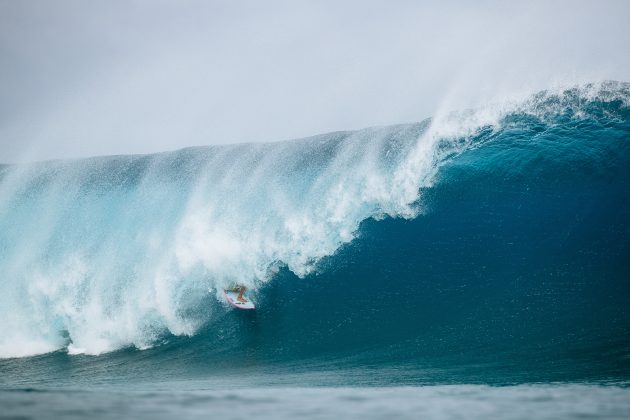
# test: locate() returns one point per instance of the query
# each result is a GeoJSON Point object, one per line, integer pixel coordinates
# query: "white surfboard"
{"type": "Point", "coordinates": [232, 296]}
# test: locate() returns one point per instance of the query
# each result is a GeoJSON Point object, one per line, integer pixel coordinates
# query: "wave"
{"type": "Point", "coordinates": [494, 225]}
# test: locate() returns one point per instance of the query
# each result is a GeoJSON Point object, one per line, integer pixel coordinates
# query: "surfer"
{"type": "Point", "coordinates": [240, 290]}
{"type": "Point", "coordinates": [235, 296]}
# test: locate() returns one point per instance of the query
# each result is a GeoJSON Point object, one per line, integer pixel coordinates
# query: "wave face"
{"type": "Point", "coordinates": [502, 230]}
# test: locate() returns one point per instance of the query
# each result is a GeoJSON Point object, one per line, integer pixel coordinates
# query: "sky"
{"type": "Point", "coordinates": [85, 78]}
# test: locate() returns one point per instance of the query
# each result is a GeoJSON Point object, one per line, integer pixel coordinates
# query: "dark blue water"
{"type": "Point", "coordinates": [508, 266]}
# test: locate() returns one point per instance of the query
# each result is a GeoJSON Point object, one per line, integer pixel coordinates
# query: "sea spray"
{"type": "Point", "coordinates": [105, 253]}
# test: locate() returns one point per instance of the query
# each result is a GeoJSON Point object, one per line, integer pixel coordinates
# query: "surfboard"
{"type": "Point", "coordinates": [232, 296]}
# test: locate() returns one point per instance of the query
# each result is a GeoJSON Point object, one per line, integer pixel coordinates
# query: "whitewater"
{"type": "Point", "coordinates": [483, 257]}
{"type": "Point", "coordinates": [113, 252]}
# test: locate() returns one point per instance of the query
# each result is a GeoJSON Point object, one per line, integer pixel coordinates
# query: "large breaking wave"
{"type": "Point", "coordinates": [115, 252]}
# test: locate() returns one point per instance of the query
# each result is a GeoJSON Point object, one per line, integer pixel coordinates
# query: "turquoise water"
{"type": "Point", "coordinates": [472, 265]}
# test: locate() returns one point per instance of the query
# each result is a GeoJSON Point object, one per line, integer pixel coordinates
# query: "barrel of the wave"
{"type": "Point", "coordinates": [236, 297]}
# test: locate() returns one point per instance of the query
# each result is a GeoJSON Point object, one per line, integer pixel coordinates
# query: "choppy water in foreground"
{"type": "Point", "coordinates": [435, 402]}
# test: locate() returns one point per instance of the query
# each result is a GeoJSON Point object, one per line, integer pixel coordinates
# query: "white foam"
{"type": "Point", "coordinates": [99, 255]}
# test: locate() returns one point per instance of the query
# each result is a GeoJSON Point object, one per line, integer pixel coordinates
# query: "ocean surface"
{"type": "Point", "coordinates": [473, 265]}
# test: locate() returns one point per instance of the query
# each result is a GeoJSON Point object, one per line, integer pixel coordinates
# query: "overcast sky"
{"type": "Point", "coordinates": [83, 78]}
